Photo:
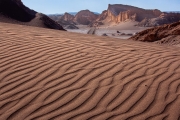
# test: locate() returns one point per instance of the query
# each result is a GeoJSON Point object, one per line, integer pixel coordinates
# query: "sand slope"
{"type": "Point", "coordinates": [49, 74]}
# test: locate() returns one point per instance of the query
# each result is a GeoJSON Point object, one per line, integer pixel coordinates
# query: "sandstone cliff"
{"type": "Point", "coordinates": [165, 34]}
{"type": "Point", "coordinates": [14, 11]}
{"type": "Point", "coordinates": [85, 17]}
{"type": "Point", "coordinates": [119, 13]}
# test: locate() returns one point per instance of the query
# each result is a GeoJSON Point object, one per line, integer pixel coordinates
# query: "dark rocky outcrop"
{"type": "Point", "coordinates": [162, 33]}
{"type": "Point", "coordinates": [50, 23]}
{"type": "Point", "coordinates": [14, 11]}
{"type": "Point", "coordinates": [164, 18]}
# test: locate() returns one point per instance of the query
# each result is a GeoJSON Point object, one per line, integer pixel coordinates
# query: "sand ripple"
{"type": "Point", "coordinates": [48, 74]}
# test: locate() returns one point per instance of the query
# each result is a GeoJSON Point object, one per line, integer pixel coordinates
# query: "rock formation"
{"type": "Point", "coordinates": [85, 17]}
{"type": "Point", "coordinates": [67, 24]}
{"type": "Point", "coordinates": [119, 13]}
{"type": "Point", "coordinates": [102, 16]}
{"type": "Point", "coordinates": [164, 18]}
{"type": "Point", "coordinates": [161, 34]}
{"type": "Point", "coordinates": [67, 21]}
{"type": "Point", "coordinates": [99, 20]}
{"type": "Point", "coordinates": [14, 11]}
{"type": "Point", "coordinates": [67, 17]}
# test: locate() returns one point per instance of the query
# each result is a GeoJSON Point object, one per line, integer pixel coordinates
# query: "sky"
{"type": "Point", "coordinates": [62, 6]}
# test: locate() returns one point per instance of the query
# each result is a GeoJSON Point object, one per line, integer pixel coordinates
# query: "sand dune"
{"type": "Point", "coordinates": [48, 74]}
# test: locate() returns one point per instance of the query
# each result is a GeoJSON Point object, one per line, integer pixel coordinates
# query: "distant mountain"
{"type": "Point", "coordinates": [72, 13]}
{"type": "Point", "coordinates": [84, 17]}
{"type": "Point", "coordinates": [117, 13]}
{"type": "Point", "coordinates": [67, 21]}
{"type": "Point", "coordinates": [171, 11]}
{"type": "Point", "coordinates": [14, 11]}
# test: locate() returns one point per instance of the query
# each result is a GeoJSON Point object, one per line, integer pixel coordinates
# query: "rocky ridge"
{"type": "Point", "coordinates": [14, 11]}
{"type": "Point", "coordinates": [164, 18]}
{"type": "Point", "coordinates": [118, 13]}
{"type": "Point", "coordinates": [67, 21]}
{"type": "Point", "coordinates": [165, 34]}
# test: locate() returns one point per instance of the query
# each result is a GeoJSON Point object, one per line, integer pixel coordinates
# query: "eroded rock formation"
{"type": "Point", "coordinates": [119, 13]}
{"type": "Point", "coordinates": [67, 21]}
{"type": "Point", "coordinates": [67, 17]}
{"type": "Point", "coordinates": [102, 16]}
{"type": "Point", "coordinates": [85, 17]}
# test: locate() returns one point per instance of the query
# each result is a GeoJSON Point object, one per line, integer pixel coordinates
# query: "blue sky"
{"type": "Point", "coordinates": [61, 6]}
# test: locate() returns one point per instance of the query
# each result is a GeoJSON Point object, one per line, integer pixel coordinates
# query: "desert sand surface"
{"type": "Point", "coordinates": [126, 29]}
{"type": "Point", "coordinates": [83, 29]}
{"type": "Point", "coordinates": [49, 74]}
